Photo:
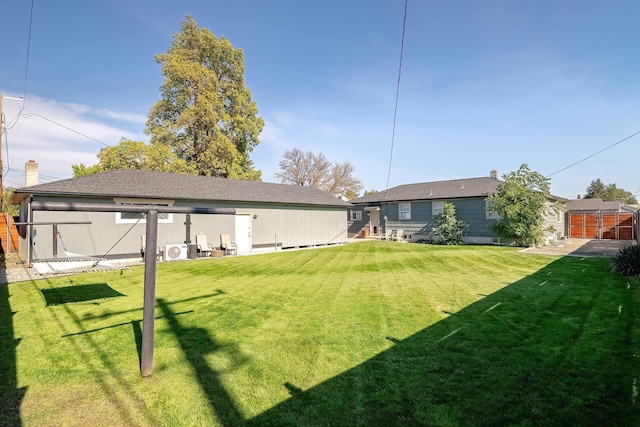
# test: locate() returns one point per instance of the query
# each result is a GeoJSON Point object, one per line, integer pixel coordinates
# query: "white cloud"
{"type": "Point", "coordinates": [51, 133]}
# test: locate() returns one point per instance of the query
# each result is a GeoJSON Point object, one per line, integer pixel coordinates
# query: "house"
{"type": "Point", "coordinates": [414, 207]}
{"type": "Point", "coordinates": [268, 216]}
{"type": "Point", "coordinates": [598, 219]}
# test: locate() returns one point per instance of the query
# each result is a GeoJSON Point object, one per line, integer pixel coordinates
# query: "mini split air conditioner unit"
{"type": "Point", "coordinates": [175, 252]}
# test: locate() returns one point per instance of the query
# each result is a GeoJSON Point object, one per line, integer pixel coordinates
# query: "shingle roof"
{"type": "Point", "coordinates": [593, 205]}
{"type": "Point", "coordinates": [452, 189]}
{"type": "Point", "coordinates": [147, 184]}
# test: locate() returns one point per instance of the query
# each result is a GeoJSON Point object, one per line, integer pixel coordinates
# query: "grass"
{"type": "Point", "coordinates": [365, 334]}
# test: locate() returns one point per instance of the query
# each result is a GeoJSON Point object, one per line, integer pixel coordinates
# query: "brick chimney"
{"type": "Point", "coordinates": [30, 173]}
{"type": "Point", "coordinates": [493, 174]}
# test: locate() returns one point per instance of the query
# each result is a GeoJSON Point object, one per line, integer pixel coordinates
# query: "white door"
{"type": "Point", "coordinates": [243, 233]}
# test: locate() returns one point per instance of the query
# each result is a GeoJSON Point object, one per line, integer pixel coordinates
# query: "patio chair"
{"type": "Point", "coordinates": [226, 245]}
{"type": "Point", "coordinates": [204, 247]}
{"type": "Point", "coordinates": [397, 235]}
{"type": "Point", "coordinates": [386, 235]}
{"type": "Point", "coordinates": [143, 247]}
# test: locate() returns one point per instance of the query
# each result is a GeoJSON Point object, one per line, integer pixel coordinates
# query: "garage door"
{"type": "Point", "coordinates": [583, 226]}
{"type": "Point", "coordinates": [614, 226]}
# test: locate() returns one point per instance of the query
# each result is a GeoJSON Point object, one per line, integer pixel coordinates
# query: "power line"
{"type": "Point", "coordinates": [30, 114]}
{"type": "Point", "coordinates": [594, 154]}
{"type": "Point", "coordinates": [395, 110]}
{"type": "Point", "coordinates": [26, 71]}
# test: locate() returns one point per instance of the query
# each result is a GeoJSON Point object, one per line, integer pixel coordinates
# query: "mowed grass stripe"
{"type": "Point", "coordinates": [373, 333]}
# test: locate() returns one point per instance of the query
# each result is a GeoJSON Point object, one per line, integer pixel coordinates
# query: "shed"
{"type": "Point", "coordinates": [598, 219]}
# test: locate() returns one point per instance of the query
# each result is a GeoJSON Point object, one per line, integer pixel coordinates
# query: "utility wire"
{"type": "Point", "coordinates": [30, 114]}
{"type": "Point", "coordinates": [395, 110]}
{"type": "Point", "coordinates": [26, 71]}
{"type": "Point", "coordinates": [594, 154]}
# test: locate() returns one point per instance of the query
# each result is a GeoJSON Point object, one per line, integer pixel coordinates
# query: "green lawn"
{"type": "Point", "coordinates": [366, 334]}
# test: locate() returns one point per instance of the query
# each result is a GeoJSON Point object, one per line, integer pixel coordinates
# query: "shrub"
{"type": "Point", "coordinates": [448, 228]}
{"type": "Point", "coordinates": [627, 261]}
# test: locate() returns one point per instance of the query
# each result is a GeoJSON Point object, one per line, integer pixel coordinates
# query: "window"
{"type": "Point", "coordinates": [133, 217]}
{"type": "Point", "coordinates": [491, 214]}
{"type": "Point", "coordinates": [404, 210]}
{"type": "Point", "coordinates": [356, 215]}
{"type": "Point", "coordinates": [436, 208]}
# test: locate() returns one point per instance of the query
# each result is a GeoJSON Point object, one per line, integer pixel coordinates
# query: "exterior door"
{"type": "Point", "coordinates": [243, 234]}
{"type": "Point", "coordinates": [374, 221]}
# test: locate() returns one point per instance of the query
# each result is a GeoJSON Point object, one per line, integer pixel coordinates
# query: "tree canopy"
{"type": "Point", "coordinates": [315, 170]}
{"type": "Point", "coordinates": [521, 201]}
{"type": "Point", "coordinates": [135, 155]}
{"type": "Point", "coordinates": [609, 192]}
{"type": "Point", "coordinates": [206, 114]}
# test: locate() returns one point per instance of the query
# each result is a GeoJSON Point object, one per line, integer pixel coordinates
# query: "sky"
{"type": "Point", "coordinates": [484, 85]}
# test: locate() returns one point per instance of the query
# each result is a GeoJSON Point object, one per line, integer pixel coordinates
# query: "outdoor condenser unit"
{"type": "Point", "coordinates": [175, 252]}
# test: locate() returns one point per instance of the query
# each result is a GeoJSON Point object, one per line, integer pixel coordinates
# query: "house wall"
{"type": "Point", "coordinates": [287, 226]}
{"type": "Point", "coordinates": [554, 222]}
{"type": "Point", "coordinates": [356, 226]}
{"type": "Point", "coordinates": [471, 210]}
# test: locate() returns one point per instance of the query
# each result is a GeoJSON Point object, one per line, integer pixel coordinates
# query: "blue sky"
{"type": "Point", "coordinates": [485, 84]}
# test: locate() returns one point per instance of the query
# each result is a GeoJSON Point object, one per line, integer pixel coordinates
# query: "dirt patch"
{"type": "Point", "coordinates": [582, 248]}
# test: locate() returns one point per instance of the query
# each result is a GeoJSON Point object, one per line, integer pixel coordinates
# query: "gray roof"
{"type": "Point", "coordinates": [452, 189]}
{"type": "Point", "coordinates": [161, 185]}
{"type": "Point", "coordinates": [593, 205]}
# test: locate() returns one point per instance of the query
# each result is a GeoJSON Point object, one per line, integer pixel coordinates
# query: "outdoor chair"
{"type": "Point", "coordinates": [143, 247]}
{"type": "Point", "coordinates": [397, 235]}
{"type": "Point", "coordinates": [226, 245]}
{"type": "Point", "coordinates": [386, 235]}
{"type": "Point", "coordinates": [204, 247]}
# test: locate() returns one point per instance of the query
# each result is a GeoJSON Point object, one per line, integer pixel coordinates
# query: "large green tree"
{"type": "Point", "coordinates": [521, 201]}
{"type": "Point", "coordinates": [206, 114]}
{"type": "Point", "coordinates": [609, 192]}
{"type": "Point", "coordinates": [136, 155]}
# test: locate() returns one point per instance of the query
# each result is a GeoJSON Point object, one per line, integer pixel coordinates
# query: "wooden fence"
{"type": "Point", "coordinates": [12, 236]}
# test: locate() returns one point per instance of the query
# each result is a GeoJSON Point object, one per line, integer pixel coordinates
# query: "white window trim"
{"type": "Point", "coordinates": [356, 215]}
{"type": "Point", "coordinates": [164, 218]}
{"type": "Point", "coordinates": [406, 211]}
{"type": "Point", "coordinates": [437, 207]}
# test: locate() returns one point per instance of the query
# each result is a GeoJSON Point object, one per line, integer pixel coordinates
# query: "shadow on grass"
{"type": "Point", "coordinates": [10, 395]}
{"type": "Point", "coordinates": [79, 293]}
{"type": "Point", "coordinates": [196, 343]}
{"type": "Point", "coordinates": [546, 350]}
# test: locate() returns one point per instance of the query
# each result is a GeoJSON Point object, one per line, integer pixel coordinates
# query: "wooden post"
{"type": "Point", "coordinates": [148, 316]}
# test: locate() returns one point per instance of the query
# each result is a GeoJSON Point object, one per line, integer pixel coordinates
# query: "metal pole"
{"type": "Point", "coordinates": [55, 239]}
{"type": "Point", "coordinates": [187, 223]}
{"type": "Point", "coordinates": [149, 293]}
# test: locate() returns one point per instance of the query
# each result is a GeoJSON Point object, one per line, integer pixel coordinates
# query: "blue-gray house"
{"type": "Point", "coordinates": [413, 208]}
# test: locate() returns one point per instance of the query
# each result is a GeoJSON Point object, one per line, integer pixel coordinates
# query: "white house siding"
{"type": "Point", "coordinates": [288, 226]}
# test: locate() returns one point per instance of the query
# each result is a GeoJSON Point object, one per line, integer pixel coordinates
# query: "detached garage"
{"type": "Point", "coordinates": [597, 219]}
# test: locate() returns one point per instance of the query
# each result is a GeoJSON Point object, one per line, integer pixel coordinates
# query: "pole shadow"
{"type": "Point", "coordinates": [531, 353]}
{"type": "Point", "coordinates": [196, 343]}
{"type": "Point", "coordinates": [10, 394]}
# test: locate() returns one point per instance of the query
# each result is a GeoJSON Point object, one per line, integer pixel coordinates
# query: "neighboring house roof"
{"type": "Point", "coordinates": [161, 185]}
{"type": "Point", "coordinates": [452, 189]}
{"type": "Point", "coordinates": [595, 205]}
